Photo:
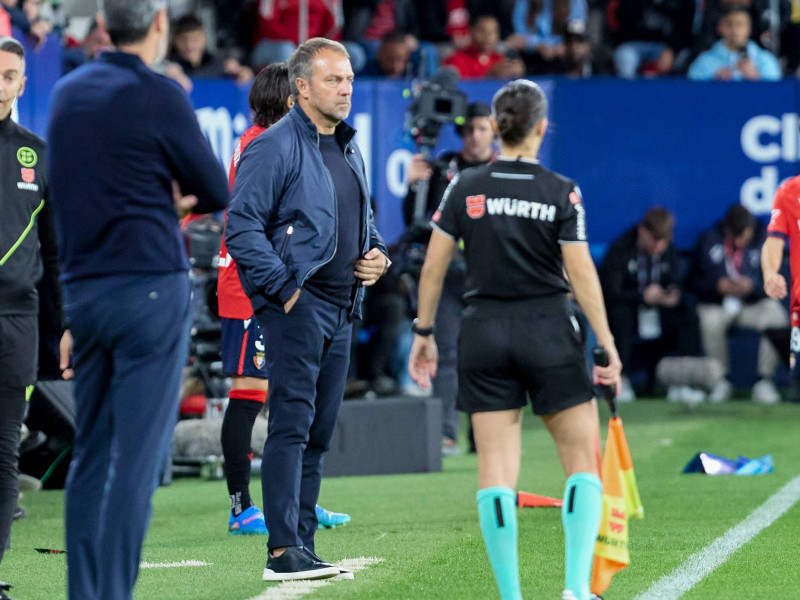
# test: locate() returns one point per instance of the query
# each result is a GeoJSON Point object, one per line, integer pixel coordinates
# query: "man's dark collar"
{"type": "Point", "coordinates": [124, 59]}
{"type": "Point", "coordinates": [6, 124]}
{"type": "Point", "coordinates": [344, 133]}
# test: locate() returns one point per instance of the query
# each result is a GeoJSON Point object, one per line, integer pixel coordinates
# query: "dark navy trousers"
{"type": "Point", "coordinates": [307, 352]}
{"type": "Point", "coordinates": [130, 344]}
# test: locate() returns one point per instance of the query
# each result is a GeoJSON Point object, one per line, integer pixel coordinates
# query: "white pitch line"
{"type": "Point", "coordinates": [294, 590]}
{"type": "Point", "coordinates": [697, 566]}
{"type": "Point", "coordinates": [172, 565]}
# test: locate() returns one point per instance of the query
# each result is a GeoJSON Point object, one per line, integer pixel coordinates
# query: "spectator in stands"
{"type": "Point", "coordinates": [278, 30]}
{"type": "Point", "coordinates": [96, 40]}
{"type": "Point", "coordinates": [36, 28]}
{"type": "Point", "coordinates": [577, 60]}
{"type": "Point", "coordinates": [482, 58]}
{"type": "Point", "coordinates": [711, 13]}
{"type": "Point", "coordinates": [735, 57]}
{"type": "Point", "coordinates": [5, 22]}
{"type": "Point", "coordinates": [190, 52]}
{"type": "Point", "coordinates": [653, 35]}
{"type": "Point", "coordinates": [392, 59]}
{"type": "Point", "coordinates": [726, 278]}
{"type": "Point", "coordinates": [644, 296]}
{"type": "Point", "coordinates": [539, 28]}
{"type": "Point", "coordinates": [368, 21]}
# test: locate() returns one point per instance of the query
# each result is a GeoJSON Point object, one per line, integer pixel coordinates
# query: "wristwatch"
{"type": "Point", "coordinates": [424, 332]}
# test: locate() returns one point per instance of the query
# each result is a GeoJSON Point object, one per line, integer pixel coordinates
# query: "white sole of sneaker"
{"type": "Point", "coordinates": [344, 574]}
{"type": "Point", "coordinates": [324, 573]}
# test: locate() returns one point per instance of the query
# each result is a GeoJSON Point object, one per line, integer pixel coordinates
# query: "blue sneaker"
{"type": "Point", "coordinates": [250, 522]}
{"type": "Point", "coordinates": [328, 519]}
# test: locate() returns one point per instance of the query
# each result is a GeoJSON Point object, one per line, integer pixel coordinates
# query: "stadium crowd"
{"type": "Point", "coordinates": [706, 39]}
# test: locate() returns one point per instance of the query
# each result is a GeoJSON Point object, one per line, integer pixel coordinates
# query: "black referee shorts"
{"type": "Point", "coordinates": [19, 350]}
{"type": "Point", "coordinates": [511, 350]}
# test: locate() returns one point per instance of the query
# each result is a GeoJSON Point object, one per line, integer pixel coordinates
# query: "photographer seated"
{"type": "Point", "coordinates": [477, 137]}
{"type": "Point", "coordinates": [642, 288]}
{"type": "Point", "coordinates": [726, 277]}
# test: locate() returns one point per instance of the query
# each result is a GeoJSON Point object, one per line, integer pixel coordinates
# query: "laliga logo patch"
{"type": "Point", "coordinates": [476, 206]}
{"type": "Point", "coordinates": [574, 198]}
{"type": "Point", "coordinates": [436, 216]}
{"type": "Point", "coordinates": [28, 175]}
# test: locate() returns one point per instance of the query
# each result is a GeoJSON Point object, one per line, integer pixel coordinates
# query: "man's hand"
{"type": "Point", "coordinates": [423, 360]}
{"type": "Point", "coordinates": [418, 169]}
{"type": "Point", "coordinates": [724, 74]}
{"type": "Point", "coordinates": [749, 70]}
{"type": "Point", "coordinates": [289, 304]}
{"type": "Point", "coordinates": [671, 297]}
{"type": "Point", "coordinates": [65, 354]}
{"type": "Point", "coordinates": [666, 61]}
{"type": "Point", "coordinates": [653, 294]}
{"type": "Point", "coordinates": [183, 204]}
{"type": "Point", "coordinates": [370, 268]}
{"type": "Point", "coordinates": [775, 286]}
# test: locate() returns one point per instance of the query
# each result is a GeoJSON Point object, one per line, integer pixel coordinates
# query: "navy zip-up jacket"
{"type": "Point", "coordinates": [119, 134]}
{"type": "Point", "coordinates": [281, 226]}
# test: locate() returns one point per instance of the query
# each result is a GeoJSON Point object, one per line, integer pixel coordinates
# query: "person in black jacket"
{"type": "Point", "coordinates": [643, 288]}
{"type": "Point", "coordinates": [27, 252]}
{"type": "Point", "coordinates": [124, 146]}
{"type": "Point", "coordinates": [726, 278]}
{"type": "Point", "coordinates": [477, 149]}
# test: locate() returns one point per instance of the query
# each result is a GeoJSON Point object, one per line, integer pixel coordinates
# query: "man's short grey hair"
{"type": "Point", "coordinates": [128, 21]}
{"type": "Point", "coordinates": [9, 44]}
{"type": "Point", "coordinates": [300, 61]}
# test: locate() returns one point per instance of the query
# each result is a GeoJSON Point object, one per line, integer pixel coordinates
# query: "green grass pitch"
{"type": "Point", "coordinates": [425, 526]}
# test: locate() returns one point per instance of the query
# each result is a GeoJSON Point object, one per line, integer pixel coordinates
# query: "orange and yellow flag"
{"type": "Point", "coordinates": [620, 501]}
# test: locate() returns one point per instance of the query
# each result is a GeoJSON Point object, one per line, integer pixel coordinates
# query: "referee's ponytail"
{"type": "Point", "coordinates": [517, 107]}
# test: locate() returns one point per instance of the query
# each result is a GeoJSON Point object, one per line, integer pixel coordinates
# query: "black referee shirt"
{"type": "Point", "coordinates": [513, 215]}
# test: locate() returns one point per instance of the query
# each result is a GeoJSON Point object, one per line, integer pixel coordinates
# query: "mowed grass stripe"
{"type": "Point", "coordinates": [701, 564]}
{"type": "Point", "coordinates": [425, 526]}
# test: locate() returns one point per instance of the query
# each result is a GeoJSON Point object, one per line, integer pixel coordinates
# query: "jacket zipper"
{"type": "Point", "coordinates": [289, 232]}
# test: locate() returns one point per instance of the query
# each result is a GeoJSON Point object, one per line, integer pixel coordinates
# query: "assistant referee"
{"type": "Point", "coordinates": [522, 225]}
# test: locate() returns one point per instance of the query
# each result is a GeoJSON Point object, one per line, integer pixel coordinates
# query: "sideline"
{"type": "Point", "coordinates": [697, 566]}
{"type": "Point", "coordinates": [294, 590]}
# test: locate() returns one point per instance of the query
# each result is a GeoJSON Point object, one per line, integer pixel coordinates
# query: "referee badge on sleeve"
{"type": "Point", "coordinates": [476, 206]}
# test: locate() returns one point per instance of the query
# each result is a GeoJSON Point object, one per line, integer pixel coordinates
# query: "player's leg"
{"type": "Point", "coordinates": [576, 433]}
{"type": "Point", "coordinates": [243, 358]}
{"type": "Point", "coordinates": [18, 350]}
{"type": "Point", "coordinates": [497, 439]}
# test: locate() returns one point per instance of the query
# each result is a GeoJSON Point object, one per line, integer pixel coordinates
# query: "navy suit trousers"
{"type": "Point", "coordinates": [307, 352]}
{"type": "Point", "coordinates": [130, 343]}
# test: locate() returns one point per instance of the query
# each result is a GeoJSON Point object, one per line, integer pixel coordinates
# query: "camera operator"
{"type": "Point", "coordinates": [477, 137]}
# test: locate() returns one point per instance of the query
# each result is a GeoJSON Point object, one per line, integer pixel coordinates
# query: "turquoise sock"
{"type": "Point", "coordinates": [497, 511]}
{"type": "Point", "coordinates": [583, 501]}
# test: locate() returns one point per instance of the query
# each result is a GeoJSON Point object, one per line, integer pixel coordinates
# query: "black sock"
{"type": "Point", "coordinates": [237, 427]}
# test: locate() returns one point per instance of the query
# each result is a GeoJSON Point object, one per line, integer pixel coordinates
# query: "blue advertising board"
{"type": "Point", "coordinates": [695, 148]}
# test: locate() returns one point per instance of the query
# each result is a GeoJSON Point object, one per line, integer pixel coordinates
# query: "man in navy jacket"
{"type": "Point", "coordinates": [301, 230]}
{"type": "Point", "coordinates": [121, 140]}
